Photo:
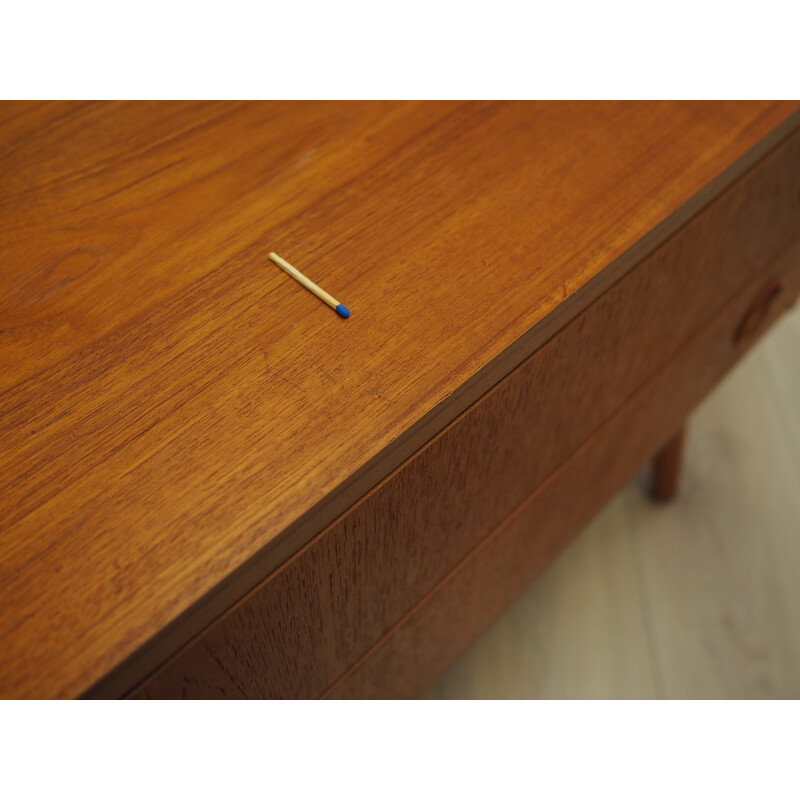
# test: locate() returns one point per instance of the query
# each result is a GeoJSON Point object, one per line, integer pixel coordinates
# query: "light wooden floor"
{"type": "Point", "coordinates": [697, 599]}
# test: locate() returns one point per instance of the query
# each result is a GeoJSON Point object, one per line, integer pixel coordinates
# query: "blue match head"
{"type": "Point", "coordinates": [343, 311]}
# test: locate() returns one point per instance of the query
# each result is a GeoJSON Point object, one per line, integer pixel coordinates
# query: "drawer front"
{"type": "Point", "coordinates": [417, 650]}
{"type": "Point", "coordinates": [305, 625]}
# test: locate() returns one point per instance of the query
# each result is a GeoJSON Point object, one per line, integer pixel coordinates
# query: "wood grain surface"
{"type": "Point", "coordinates": [414, 653]}
{"type": "Point", "coordinates": [177, 417]}
{"type": "Point", "coordinates": [306, 624]}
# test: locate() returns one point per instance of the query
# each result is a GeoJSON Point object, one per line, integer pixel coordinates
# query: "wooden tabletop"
{"type": "Point", "coordinates": [178, 416]}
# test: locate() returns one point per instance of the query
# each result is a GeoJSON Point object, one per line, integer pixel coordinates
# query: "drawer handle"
{"type": "Point", "coordinates": [758, 311]}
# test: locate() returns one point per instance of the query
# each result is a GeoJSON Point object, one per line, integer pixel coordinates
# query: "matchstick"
{"type": "Point", "coordinates": [312, 287]}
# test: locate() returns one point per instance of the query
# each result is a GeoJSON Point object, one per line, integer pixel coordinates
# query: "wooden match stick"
{"type": "Point", "coordinates": [312, 287]}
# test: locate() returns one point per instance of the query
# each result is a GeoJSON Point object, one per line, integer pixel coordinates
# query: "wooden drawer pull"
{"type": "Point", "coordinates": [758, 312]}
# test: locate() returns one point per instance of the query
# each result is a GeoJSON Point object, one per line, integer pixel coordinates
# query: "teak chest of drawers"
{"type": "Point", "coordinates": [212, 486]}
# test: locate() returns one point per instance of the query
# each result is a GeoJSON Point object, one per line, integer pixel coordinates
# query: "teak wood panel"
{"type": "Point", "coordinates": [419, 648]}
{"type": "Point", "coordinates": [177, 417]}
{"type": "Point", "coordinates": [293, 635]}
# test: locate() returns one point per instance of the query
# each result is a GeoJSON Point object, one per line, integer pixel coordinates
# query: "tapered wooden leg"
{"type": "Point", "coordinates": [667, 467]}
